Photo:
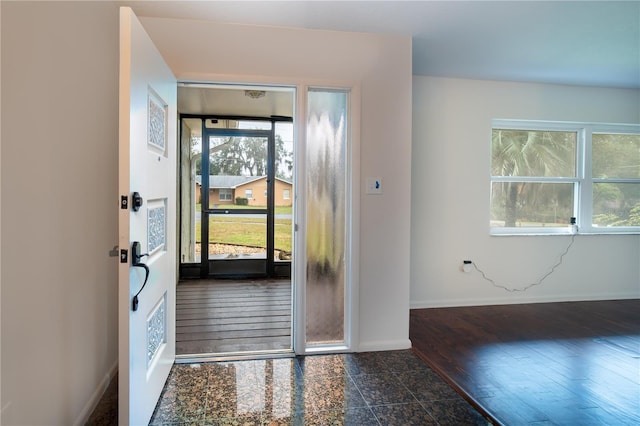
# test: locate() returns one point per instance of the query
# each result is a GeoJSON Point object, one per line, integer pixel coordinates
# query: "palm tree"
{"type": "Point", "coordinates": [531, 154]}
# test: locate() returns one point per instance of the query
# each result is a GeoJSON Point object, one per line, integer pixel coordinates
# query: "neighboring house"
{"type": "Point", "coordinates": [225, 190]}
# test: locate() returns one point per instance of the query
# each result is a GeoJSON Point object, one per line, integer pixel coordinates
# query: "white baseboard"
{"type": "Point", "coordinates": [452, 303]}
{"type": "Point", "coordinates": [96, 396]}
{"type": "Point", "coordinates": [384, 345]}
{"type": "Point", "coordinates": [5, 415]}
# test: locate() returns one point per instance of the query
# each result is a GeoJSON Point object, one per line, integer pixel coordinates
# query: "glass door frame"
{"type": "Point", "coordinates": [237, 268]}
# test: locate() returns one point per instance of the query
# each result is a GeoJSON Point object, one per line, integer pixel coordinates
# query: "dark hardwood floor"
{"type": "Point", "coordinates": [228, 316]}
{"type": "Point", "coordinates": [574, 363]}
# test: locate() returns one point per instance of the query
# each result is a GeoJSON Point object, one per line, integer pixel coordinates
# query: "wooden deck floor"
{"type": "Point", "coordinates": [574, 363]}
{"type": "Point", "coordinates": [225, 316]}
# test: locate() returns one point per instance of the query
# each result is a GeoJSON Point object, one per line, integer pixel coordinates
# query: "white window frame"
{"type": "Point", "coordinates": [227, 192]}
{"type": "Point", "coordinates": [583, 180]}
{"type": "Point", "coordinates": [286, 194]}
{"type": "Point", "coordinates": [248, 194]}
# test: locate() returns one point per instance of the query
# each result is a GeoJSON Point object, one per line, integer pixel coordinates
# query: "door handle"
{"type": "Point", "coordinates": [136, 261]}
{"type": "Point", "coordinates": [137, 201]}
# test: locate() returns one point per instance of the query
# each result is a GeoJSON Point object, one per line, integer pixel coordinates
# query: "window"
{"type": "Point", "coordinates": [616, 180]}
{"type": "Point", "coordinates": [286, 195]}
{"type": "Point", "coordinates": [226, 194]}
{"type": "Point", "coordinates": [327, 217]}
{"type": "Point", "coordinates": [248, 194]}
{"type": "Point", "coordinates": [543, 174]}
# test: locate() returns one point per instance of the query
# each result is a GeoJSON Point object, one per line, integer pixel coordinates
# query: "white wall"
{"type": "Point", "coordinates": [0, 228]}
{"type": "Point", "coordinates": [59, 184]}
{"type": "Point", "coordinates": [382, 64]}
{"type": "Point", "coordinates": [450, 198]}
{"type": "Point", "coordinates": [59, 206]}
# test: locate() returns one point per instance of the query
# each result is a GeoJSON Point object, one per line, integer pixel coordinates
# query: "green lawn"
{"type": "Point", "coordinates": [247, 232]}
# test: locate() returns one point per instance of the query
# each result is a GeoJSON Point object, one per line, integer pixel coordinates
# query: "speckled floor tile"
{"type": "Point", "coordinates": [295, 419]}
{"type": "Point", "coordinates": [331, 393]}
{"type": "Point", "coordinates": [230, 401]}
{"type": "Point", "coordinates": [403, 414]}
{"type": "Point", "coordinates": [176, 424]}
{"type": "Point", "coordinates": [382, 388]}
{"type": "Point", "coordinates": [399, 361]}
{"type": "Point", "coordinates": [326, 365]}
{"type": "Point", "coordinates": [246, 420]}
{"type": "Point", "coordinates": [454, 412]}
{"type": "Point", "coordinates": [179, 407]}
{"type": "Point", "coordinates": [284, 400]}
{"type": "Point", "coordinates": [426, 385]}
{"type": "Point", "coordinates": [365, 363]}
{"type": "Point", "coordinates": [232, 372]}
{"type": "Point", "coordinates": [187, 378]}
{"type": "Point", "coordinates": [348, 417]}
{"type": "Point", "coordinates": [369, 389]}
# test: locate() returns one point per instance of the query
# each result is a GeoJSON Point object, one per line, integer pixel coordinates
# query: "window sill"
{"type": "Point", "coordinates": [532, 233]}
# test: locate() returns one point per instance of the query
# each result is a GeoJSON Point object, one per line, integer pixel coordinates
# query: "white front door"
{"type": "Point", "coordinates": [147, 166]}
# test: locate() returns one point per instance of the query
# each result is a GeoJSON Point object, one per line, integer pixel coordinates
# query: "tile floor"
{"type": "Point", "coordinates": [374, 388]}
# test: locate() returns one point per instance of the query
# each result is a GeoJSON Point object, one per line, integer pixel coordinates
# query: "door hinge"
{"type": "Point", "coordinates": [124, 202]}
{"type": "Point", "coordinates": [124, 256]}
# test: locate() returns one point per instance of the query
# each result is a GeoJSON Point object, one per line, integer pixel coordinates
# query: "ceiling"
{"type": "Point", "coordinates": [593, 43]}
{"type": "Point", "coordinates": [235, 100]}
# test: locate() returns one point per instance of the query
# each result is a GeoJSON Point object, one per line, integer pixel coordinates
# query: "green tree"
{"type": "Point", "coordinates": [247, 156]}
{"type": "Point", "coordinates": [530, 153]}
{"type": "Point", "coordinates": [616, 156]}
{"type": "Point", "coordinates": [634, 216]}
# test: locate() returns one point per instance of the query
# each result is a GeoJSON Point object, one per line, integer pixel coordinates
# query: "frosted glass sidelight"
{"type": "Point", "coordinates": [326, 150]}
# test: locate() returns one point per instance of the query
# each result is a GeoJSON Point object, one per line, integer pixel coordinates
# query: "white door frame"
{"type": "Point", "coordinates": [352, 263]}
{"type": "Point", "coordinates": [298, 272]}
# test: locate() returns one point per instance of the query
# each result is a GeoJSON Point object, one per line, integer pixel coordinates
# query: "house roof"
{"type": "Point", "coordinates": [231, 182]}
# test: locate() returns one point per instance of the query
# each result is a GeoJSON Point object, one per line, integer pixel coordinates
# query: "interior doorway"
{"type": "Point", "coordinates": [236, 219]}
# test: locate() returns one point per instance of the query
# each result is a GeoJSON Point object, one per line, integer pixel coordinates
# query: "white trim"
{"type": "Point", "coordinates": [352, 299]}
{"type": "Point", "coordinates": [299, 267]}
{"type": "Point", "coordinates": [583, 180]}
{"type": "Point", "coordinates": [384, 345]}
{"type": "Point", "coordinates": [453, 303]}
{"type": "Point", "coordinates": [326, 349]}
{"type": "Point", "coordinates": [567, 126]}
{"type": "Point", "coordinates": [96, 396]}
{"type": "Point", "coordinates": [353, 215]}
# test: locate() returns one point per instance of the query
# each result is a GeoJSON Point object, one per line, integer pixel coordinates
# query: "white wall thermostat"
{"type": "Point", "coordinates": [374, 186]}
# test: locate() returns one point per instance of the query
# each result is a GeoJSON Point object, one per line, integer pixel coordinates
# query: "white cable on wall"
{"type": "Point", "coordinates": [528, 286]}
